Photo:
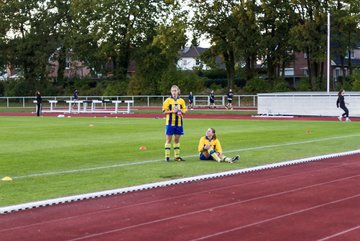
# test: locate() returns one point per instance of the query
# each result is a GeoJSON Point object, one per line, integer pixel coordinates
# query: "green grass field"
{"type": "Point", "coordinates": [53, 157]}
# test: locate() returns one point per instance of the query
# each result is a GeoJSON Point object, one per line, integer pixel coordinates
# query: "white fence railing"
{"type": "Point", "coordinates": [245, 101]}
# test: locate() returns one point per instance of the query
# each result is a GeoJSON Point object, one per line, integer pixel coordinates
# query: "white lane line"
{"type": "Point", "coordinates": [278, 217]}
{"type": "Point", "coordinates": [295, 143]}
{"type": "Point", "coordinates": [340, 233]}
{"type": "Point", "coordinates": [83, 169]}
{"type": "Point", "coordinates": [188, 156]}
{"type": "Point", "coordinates": [188, 195]}
{"type": "Point", "coordinates": [217, 207]}
{"type": "Point", "coordinates": [54, 201]}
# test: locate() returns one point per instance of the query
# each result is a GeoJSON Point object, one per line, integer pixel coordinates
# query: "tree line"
{"type": "Point", "coordinates": [151, 33]}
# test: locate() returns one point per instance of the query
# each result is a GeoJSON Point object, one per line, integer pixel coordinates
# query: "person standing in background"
{"type": "Point", "coordinates": [191, 101]}
{"type": "Point", "coordinates": [75, 97]}
{"type": "Point", "coordinates": [212, 99]}
{"type": "Point", "coordinates": [174, 107]}
{"type": "Point", "coordinates": [230, 96]}
{"type": "Point", "coordinates": [342, 104]}
{"type": "Point", "coordinates": [38, 103]}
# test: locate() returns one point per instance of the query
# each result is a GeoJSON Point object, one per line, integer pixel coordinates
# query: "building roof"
{"type": "Point", "coordinates": [192, 52]}
{"type": "Point", "coordinates": [354, 62]}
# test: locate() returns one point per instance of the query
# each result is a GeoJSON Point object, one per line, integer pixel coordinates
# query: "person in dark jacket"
{"type": "Point", "coordinates": [212, 99]}
{"type": "Point", "coordinates": [230, 96]}
{"type": "Point", "coordinates": [342, 104]}
{"type": "Point", "coordinates": [75, 98]}
{"type": "Point", "coordinates": [38, 103]}
{"type": "Point", "coordinates": [191, 101]}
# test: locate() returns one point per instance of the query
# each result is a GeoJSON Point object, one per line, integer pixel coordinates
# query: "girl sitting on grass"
{"type": "Point", "coordinates": [210, 148]}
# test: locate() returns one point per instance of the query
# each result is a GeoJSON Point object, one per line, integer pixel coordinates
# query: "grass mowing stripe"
{"type": "Point", "coordinates": [188, 156]}
{"type": "Point", "coordinates": [36, 146]}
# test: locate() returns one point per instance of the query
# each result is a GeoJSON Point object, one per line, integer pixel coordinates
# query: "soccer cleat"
{"type": "Point", "coordinates": [340, 118]}
{"type": "Point", "coordinates": [179, 159]}
{"type": "Point", "coordinates": [167, 159]}
{"type": "Point", "coordinates": [347, 119]}
{"type": "Point", "coordinates": [235, 158]}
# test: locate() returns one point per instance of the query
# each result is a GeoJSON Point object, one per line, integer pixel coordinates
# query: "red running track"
{"type": "Point", "coordinates": [313, 201]}
{"type": "Point", "coordinates": [188, 115]}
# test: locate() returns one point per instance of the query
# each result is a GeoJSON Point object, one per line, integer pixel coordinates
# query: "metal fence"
{"type": "Point", "coordinates": [244, 101]}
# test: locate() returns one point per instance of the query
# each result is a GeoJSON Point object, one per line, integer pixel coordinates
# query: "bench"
{"type": "Point", "coordinates": [76, 102]}
{"type": "Point", "coordinates": [82, 106]}
{"type": "Point", "coordinates": [52, 103]}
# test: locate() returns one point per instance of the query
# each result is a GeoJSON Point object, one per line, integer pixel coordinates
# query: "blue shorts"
{"type": "Point", "coordinates": [174, 130]}
{"type": "Point", "coordinates": [203, 158]}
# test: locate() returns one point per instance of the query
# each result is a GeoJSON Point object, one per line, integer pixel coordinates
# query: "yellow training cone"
{"type": "Point", "coordinates": [6, 179]}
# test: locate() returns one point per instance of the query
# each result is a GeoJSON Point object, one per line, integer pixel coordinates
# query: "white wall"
{"type": "Point", "coordinates": [188, 64]}
{"type": "Point", "coordinates": [306, 104]}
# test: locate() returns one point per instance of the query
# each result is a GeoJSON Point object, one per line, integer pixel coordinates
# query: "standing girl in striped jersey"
{"type": "Point", "coordinates": [174, 107]}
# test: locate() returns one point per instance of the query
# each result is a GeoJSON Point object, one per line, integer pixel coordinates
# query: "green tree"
{"type": "Point", "coordinates": [159, 56]}
{"type": "Point", "coordinates": [216, 21]}
{"type": "Point", "coordinates": [4, 28]}
{"type": "Point", "coordinates": [309, 36]}
{"type": "Point", "coordinates": [32, 33]}
{"type": "Point", "coordinates": [233, 29]}
{"type": "Point", "coordinates": [248, 38]}
{"type": "Point", "coordinates": [345, 32]}
{"type": "Point", "coordinates": [118, 28]}
{"type": "Point", "coordinates": [275, 23]}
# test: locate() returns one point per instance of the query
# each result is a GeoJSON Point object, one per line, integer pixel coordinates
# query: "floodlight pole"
{"type": "Point", "coordinates": [328, 54]}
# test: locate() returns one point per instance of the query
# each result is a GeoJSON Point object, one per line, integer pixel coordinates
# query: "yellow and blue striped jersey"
{"type": "Point", "coordinates": [215, 144]}
{"type": "Point", "coordinates": [174, 119]}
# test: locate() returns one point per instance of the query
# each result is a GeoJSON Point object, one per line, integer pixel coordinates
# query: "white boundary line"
{"type": "Point", "coordinates": [273, 116]}
{"type": "Point", "coordinates": [339, 233]}
{"type": "Point", "coordinates": [93, 195]}
{"type": "Point", "coordinates": [271, 219]}
{"type": "Point", "coordinates": [189, 156]}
